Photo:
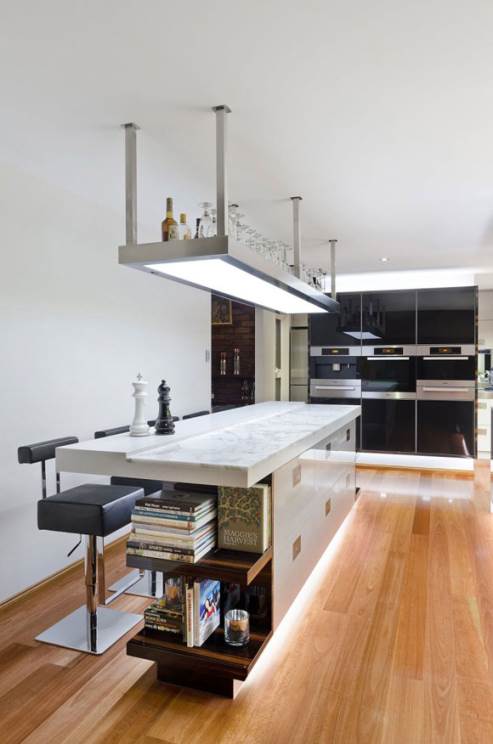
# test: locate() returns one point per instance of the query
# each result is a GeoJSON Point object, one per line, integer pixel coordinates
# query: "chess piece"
{"type": "Point", "coordinates": [164, 422]}
{"type": "Point", "coordinates": [139, 427]}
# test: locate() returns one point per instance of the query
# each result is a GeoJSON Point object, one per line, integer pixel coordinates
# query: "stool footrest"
{"type": "Point", "coordinates": [141, 586]}
{"type": "Point", "coordinates": [71, 632]}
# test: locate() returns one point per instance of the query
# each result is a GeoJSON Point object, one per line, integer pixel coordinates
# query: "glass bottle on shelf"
{"type": "Point", "coordinates": [205, 225]}
{"type": "Point", "coordinates": [236, 361]}
{"type": "Point", "coordinates": [169, 220]}
{"type": "Point", "coordinates": [233, 220]}
{"type": "Point", "coordinates": [184, 232]}
{"type": "Point", "coordinates": [222, 363]}
{"type": "Point", "coordinates": [197, 228]}
{"type": "Point", "coordinates": [213, 230]}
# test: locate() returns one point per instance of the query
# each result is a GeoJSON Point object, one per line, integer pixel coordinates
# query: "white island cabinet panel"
{"type": "Point", "coordinates": [312, 495]}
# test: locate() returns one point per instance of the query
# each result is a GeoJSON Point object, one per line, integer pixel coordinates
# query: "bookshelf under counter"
{"type": "Point", "coordinates": [213, 667]}
{"type": "Point", "coordinates": [224, 565]}
{"type": "Point", "coordinates": [308, 454]}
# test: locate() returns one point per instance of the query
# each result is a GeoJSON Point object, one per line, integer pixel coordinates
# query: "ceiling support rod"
{"type": "Point", "coordinates": [333, 243]}
{"type": "Point", "coordinates": [296, 235]}
{"type": "Point", "coordinates": [221, 183]}
{"type": "Point", "coordinates": [130, 182]}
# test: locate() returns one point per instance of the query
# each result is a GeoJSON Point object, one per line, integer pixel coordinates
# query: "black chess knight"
{"type": "Point", "coordinates": [164, 422]}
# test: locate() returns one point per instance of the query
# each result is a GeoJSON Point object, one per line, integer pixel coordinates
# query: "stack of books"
{"type": "Point", "coordinates": [168, 613]}
{"type": "Point", "coordinates": [176, 526]}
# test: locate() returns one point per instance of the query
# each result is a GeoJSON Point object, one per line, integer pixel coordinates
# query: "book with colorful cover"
{"type": "Point", "coordinates": [244, 518]}
{"type": "Point", "coordinates": [206, 609]}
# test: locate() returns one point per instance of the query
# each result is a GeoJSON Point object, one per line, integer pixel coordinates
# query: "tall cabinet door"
{"type": "Point", "coordinates": [389, 318]}
{"type": "Point", "coordinates": [447, 316]}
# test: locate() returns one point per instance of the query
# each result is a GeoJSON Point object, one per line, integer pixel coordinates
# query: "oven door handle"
{"type": "Point", "coordinates": [445, 389]}
{"type": "Point", "coordinates": [445, 358]}
{"type": "Point", "coordinates": [335, 387]}
{"type": "Point", "coordinates": [387, 356]}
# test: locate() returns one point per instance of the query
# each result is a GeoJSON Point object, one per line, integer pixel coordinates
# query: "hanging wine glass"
{"type": "Point", "coordinates": [233, 220]}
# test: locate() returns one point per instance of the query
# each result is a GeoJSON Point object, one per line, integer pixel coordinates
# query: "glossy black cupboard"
{"type": "Point", "coordinates": [447, 316]}
{"type": "Point", "coordinates": [388, 425]}
{"type": "Point", "coordinates": [342, 329]}
{"type": "Point", "coordinates": [389, 318]}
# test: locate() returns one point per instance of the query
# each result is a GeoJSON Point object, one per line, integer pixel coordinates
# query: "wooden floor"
{"type": "Point", "coordinates": [394, 644]}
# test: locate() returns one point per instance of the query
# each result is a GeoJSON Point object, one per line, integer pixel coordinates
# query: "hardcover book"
{"type": "Point", "coordinates": [178, 501]}
{"type": "Point", "coordinates": [244, 518]}
{"type": "Point", "coordinates": [206, 609]}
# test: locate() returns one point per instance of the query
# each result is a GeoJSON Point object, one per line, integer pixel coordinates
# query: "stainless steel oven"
{"type": "Point", "coordinates": [338, 392]}
{"type": "Point", "coordinates": [446, 362]}
{"type": "Point", "coordinates": [389, 398]}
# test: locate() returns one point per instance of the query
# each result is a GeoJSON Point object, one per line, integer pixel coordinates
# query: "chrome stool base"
{"type": "Point", "coordinates": [149, 585]}
{"type": "Point", "coordinates": [71, 632]}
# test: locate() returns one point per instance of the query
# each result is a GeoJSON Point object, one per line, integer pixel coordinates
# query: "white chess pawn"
{"type": "Point", "coordinates": [139, 427]}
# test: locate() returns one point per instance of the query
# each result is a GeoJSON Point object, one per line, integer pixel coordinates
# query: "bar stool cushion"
{"type": "Point", "coordinates": [89, 509]}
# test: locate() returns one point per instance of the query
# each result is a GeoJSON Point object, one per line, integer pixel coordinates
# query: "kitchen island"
{"type": "Point", "coordinates": [307, 454]}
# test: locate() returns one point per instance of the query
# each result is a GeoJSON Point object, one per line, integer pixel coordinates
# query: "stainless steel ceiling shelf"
{"type": "Point", "coordinates": [219, 264]}
{"type": "Point", "coordinates": [183, 261]}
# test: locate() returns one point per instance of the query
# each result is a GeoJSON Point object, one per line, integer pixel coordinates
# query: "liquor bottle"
{"type": "Point", "coordinates": [197, 228]}
{"type": "Point", "coordinates": [236, 361]}
{"type": "Point", "coordinates": [184, 232]}
{"type": "Point", "coordinates": [169, 221]}
{"type": "Point", "coordinates": [205, 226]}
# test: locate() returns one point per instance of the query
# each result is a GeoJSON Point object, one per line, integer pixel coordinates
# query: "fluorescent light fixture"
{"type": "Point", "coordinates": [429, 278]}
{"type": "Point", "coordinates": [230, 269]}
{"type": "Point", "coordinates": [384, 259]}
{"type": "Point", "coordinates": [226, 279]}
{"type": "Point", "coordinates": [363, 335]}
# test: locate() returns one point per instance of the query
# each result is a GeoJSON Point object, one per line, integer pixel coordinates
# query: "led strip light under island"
{"type": "Point", "coordinates": [305, 453]}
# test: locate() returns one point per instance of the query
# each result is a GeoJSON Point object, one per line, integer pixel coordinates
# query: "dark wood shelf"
{"type": "Point", "coordinates": [224, 565]}
{"type": "Point", "coordinates": [212, 667]}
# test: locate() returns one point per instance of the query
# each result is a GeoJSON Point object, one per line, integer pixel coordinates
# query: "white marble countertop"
{"type": "Point", "coordinates": [234, 447]}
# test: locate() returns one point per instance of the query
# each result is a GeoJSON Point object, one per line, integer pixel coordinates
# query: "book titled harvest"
{"type": "Point", "coordinates": [244, 518]}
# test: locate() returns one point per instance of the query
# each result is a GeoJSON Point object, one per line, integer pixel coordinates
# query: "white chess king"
{"type": "Point", "coordinates": [139, 427]}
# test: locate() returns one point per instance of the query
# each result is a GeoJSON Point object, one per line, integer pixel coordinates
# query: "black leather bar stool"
{"type": "Point", "coordinates": [95, 511]}
{"type": "Point", "coordinates": [194, 415]}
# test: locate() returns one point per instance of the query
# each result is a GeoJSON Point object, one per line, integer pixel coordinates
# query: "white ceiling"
{"type": "Point", "coordinates": [379, 114]}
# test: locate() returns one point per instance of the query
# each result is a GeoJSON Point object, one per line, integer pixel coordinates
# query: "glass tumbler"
{"type": "Point", "coordinates": [237, 627]}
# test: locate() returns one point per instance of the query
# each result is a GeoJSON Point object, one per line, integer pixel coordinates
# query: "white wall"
{"type": "Point", "coordinates": [75, 329]}
{"type": "Point", "coordinates": [485, 318]}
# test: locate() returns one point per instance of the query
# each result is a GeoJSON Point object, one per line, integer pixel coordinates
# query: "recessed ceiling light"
{"type": "Point", "coordinates": [384, 259]}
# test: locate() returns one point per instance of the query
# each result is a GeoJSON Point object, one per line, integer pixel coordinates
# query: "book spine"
{"type": "Point", "coordinates": [189, 614]}
{"type": "Point", "coordinates": [139, 545]}
{"type": "Point", "coordinates": [180, 508]}
{"type": "Point", "coordinates": [161, 514]}
{"type": "Point", "coordinates": [183, 527]}
{"type": "Point", "coordinates": [178, 557]}
{"type": "Point", "coordinates": [165, 628]}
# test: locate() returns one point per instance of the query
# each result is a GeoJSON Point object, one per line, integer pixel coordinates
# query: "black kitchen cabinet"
{"type": "Point", "coordinates": [447, 315]}
{"type": "Point", "coordinates": [341, 329]}
{"type": "Point", "coordinates": [388, 425]}
{"type": "Point", "coordinates": [389, 318]}
{"type": "Point", "coordinates": [446, 428]}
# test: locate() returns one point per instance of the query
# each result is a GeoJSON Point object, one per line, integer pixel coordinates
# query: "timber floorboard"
{"type": "Point", "coordinates": [392, 644]}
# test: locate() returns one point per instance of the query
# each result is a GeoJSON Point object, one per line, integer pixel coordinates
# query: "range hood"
{"type": "Point", "coordinates": [219, 264]}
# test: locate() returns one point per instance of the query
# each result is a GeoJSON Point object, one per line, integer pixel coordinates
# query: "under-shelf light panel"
{"type": "Point", "coordinates": [224, 278]}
